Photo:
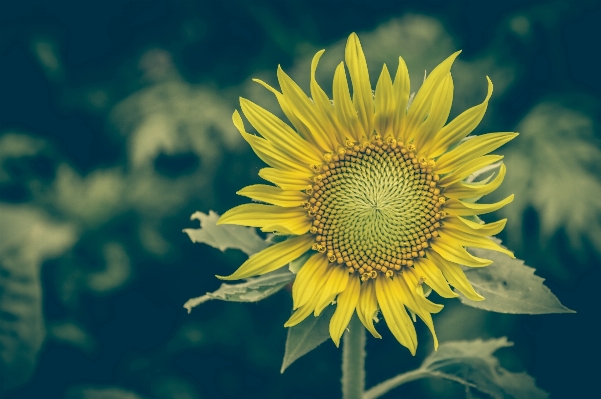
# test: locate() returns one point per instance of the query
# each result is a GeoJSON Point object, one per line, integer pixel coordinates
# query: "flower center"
{"type": "Point", "coordinates": [375, 208]}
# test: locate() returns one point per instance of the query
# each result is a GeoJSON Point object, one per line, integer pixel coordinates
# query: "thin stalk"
{"type": "Point", "coordinates": [353, 360]}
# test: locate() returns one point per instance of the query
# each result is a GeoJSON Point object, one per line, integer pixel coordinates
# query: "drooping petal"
{"type": "Point", "coordinates": [287, 180]}
{"type": "Point", "coordinates": [274, 195]}
{"type": "Point", "coordinates": [362, 93]}
{"type": "Point", "coordinates": [279, 134]}
{"type": "Point", "coordinates": [442, 99]}
{"type": "Point", "coordinates": [462, 190]}
{"type": "Point", "coordinates": [456, 253]}
{"type": "Point", "coordinates": [462, 238]}
{"type": "Point", "coordinates": [461, 208]}
{"type": "Point", "coordinates": [460, 127]}
{"type": "Point", "coordinates": [489, 229]}
{"type": "Point", "coordinates": [267, 152]}
{"type": "Point", "coordinates": [368, 306]}
{"type": "Point", "coordinates": [471, 149]}
{"type": "Point", "coordinates": [395, 315]}
{"type": "Point", "coordinates": [455, 275]}
{"type": "Point", "coordinates": [345, 307]}
{"type": "Point", "coordinates": [306, 111]}
{"type": "Point", "coordinates": [302, 312]}
{"type": "Point", "coordinates": [310, 279]}
{"type": "Point", "coordinates": [335, 284]}
{"type": "Point", "coordinates": [384, 104]}
{"type": "Point", "coordinates": [407, 281]}
{"type": "Point", "coordinates": [433, 277]}
{"type": "Point", "coordinates": [401, 89]}
{"type": "Point", "coordinates": [468, 168]}
{"type": "Point", "coordinates": [272, 258]}
{"type": "Point", "coordinates": [264, 216]}
{"type": "Point", "coordinates": [300, 127]}
{"type": "Point", "coordinates": [419, 109]}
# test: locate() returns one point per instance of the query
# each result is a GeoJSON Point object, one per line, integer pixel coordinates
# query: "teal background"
{"type": "Point", "coordinates": [115, 126]}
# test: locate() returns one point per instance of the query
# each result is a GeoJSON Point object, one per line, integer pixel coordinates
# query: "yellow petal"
{"type": "Point", "coordinates": [461, 208]}
{"type": "Point", "coordinates": [442, 99]}
{"type": "Point", "coordinates": [420, 107]}
{"type": "Point", "coordinates": [471, 149]}
{"type": "Point", "coordinates": [300, 127]}
{"type": "Point", "coordinates": [401, 88]}
{"type": "Point", "coordinates": [310, 279]}
{"type": "Point", "coordinates": [287, 180]}
{"type": "Point", "coordinates": [258, 215]}
{"type": "Point", "coordinates": [306, 111]}
{"type": "Point", "coordinates": [455, 275]}
{"type": "Point", "coordinates": [301, 313]}
{"type": "Point", "coordinates": [407, 282]}
{"type": "Point", "coordinates": [345, 307]}
{"type": "Point", "coordinates": [324, 105]}
{"type": "Point", "coordinates": [384, 104]}
{"type": "Point", "coordinates": [362, 94]}
{"type": "Point", "coordinates": [368, 306]}
{"type": "Point", "coordinates": [457, 254]}
{"type": "Point", "coordinates": [474, 190]}
{"type": "Point", "coordinates": [489, 229]}
{"type": "Point", "coordinates": [335, 284]}
{"type": "Point", "coordinates": [468, 168]}
{"type": "Point", "coordinates": [272, 257]}
{"type": "Point", "coordinates": [274, 195]}
{"type": "Point", "coordinates": [459, 127]}
{"type": "Point", "coordinates": [345, 110]}
{"type": "Point", "coordinates": [470, 240]}
{"type": "Point", "coordinates": [266, 151]}
{"type": "Point", "coordinates": [279, 134]}
{"type": "Point", "coordinates": [433, 277]}
{"type": "Point", "coordinates": [394, 313]}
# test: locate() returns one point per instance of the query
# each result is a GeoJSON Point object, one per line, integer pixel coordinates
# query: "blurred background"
{"type": "Point", "coordinates": [115, 126]}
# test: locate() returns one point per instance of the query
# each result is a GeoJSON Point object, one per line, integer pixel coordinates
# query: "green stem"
{"type": "Point", "coordinates": [353, 360]}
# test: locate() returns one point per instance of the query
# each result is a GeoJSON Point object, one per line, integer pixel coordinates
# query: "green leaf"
{"type": "Point", "coordinates": [223, 237]}
{"type": "Point", "coordinates": [509, 286]}
{"type": "Point", "coordinates": [253, 290]}
{"type": "Point", "coordinates": [472, 364]}
{"type": "Point", "coordinates": [306, 336]}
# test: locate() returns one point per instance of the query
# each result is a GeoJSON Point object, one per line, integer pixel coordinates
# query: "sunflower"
{"type": "Point", "coordinates": [371, 190]}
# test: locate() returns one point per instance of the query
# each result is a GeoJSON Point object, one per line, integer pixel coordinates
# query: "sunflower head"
{"type": "Point", "coordinates": [374, 188]}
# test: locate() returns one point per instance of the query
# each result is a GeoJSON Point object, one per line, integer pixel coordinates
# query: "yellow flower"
{"type": "Point", "coordinates": [374, 189]}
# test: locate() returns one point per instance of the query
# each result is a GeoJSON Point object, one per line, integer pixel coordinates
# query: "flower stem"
{"type": "Point", "coordinates": [353, 360]}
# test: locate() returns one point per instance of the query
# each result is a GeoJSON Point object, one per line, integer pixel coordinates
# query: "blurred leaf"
{"type": "Point", "coordinates": [555, 157]}
{"type": "Point", "coordinates": [223, 237]}
{"type": "Point", "coordinates": [117, 271]}
{"type": "Point", "coordinates": [472, 364]}
{"type": "Point", "coordinates": [100, 393]}
{"type": "Point", "coordinates": [306, 336]}
{"type": "Point", "coordinates": [72, 333]}
{"type": "Point", "coordinates": [253, 290]}
{"type": "Point", "coordinates": [509, 286]}
{"type": "Point", "coordinates": [27, 238]}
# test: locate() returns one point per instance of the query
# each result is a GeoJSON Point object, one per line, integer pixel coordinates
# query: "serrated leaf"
{"type": "Point", "coordinates": [253, 290]}
{"type": "Point", "coordinates": [472, 364]}
{"type": "Point", "coordinates": [509, 286]}
{"type": "Point", "coordinates": [306, 336]}
{"type": "Point", "coordinates": [223, 237]}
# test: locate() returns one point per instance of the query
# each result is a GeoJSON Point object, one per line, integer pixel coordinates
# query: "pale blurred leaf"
{"type": "Point", "coordinates": [27, 238]}
{"type": "Point", "coordinates": [253, 290]}
{"type": "Point", "coordinates": [472, 364]}
{"type": "Point", "coordinates": [509, 286]}
{"type": "Point", "coordinates": [306, 336]}
{"type": "Point", "coordinates": [553, 166]}
{"type": "Point", "coordinates": [223, 237]}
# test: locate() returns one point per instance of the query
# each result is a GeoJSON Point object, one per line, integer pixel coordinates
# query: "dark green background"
{"type": "Point", "coordinates": [115, 127]}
